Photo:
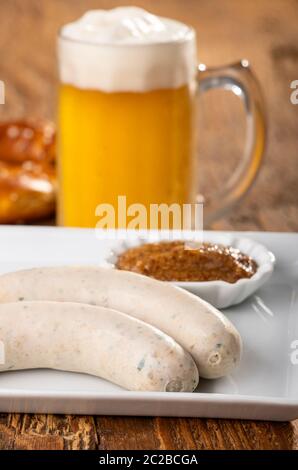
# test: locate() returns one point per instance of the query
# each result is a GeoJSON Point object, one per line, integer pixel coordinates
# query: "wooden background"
{"type": "Point", "coordinates": [264, 31]}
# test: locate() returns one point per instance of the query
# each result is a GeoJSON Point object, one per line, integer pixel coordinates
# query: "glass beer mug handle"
{"type": "Point", "coordinates": [239, 79]}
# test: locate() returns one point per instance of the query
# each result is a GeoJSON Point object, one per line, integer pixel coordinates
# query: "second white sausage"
{"type": "Point", "coordinates": [93, 340]}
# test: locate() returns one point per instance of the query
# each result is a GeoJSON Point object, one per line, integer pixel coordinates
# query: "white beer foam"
{"type": "Point", "coordinates": [126, 49]}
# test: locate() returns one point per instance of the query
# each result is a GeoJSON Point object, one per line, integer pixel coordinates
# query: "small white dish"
{"type": "Point", "coordinates": [221, 294]}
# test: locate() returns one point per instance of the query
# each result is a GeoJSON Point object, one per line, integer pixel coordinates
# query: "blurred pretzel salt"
{"type": "Point", "coordinates": [27, 171]}
{"type": "Point", "coordinates": [27, 140]}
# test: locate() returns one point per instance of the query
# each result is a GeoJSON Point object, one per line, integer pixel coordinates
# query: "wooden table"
{"type": "Point", "coordinates": [265, 31]}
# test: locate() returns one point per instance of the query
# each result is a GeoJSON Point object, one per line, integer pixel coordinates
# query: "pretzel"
{"type": "Point", "coordinates": [27, 140]}
{"type": "Point", "coordinates": [27, 171]}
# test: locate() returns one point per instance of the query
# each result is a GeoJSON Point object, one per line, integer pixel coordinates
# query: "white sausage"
{"type": "Point", "coordinates": [201, 329]}
{"type": "Point", "coordinates": [94, 340]}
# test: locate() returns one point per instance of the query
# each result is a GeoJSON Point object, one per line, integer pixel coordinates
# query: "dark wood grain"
{"type": "Point", "coordinates": [22, 431]}
{"type": "Point", "coordinates": [265, 31]}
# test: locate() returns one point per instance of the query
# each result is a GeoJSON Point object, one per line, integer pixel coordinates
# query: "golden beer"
{"type": "Point", "coordinates": [134, 144]}
{"type": "Point", "coordinates": [127, 116]}
{"type": "Point", "coordinates": [126, 113]}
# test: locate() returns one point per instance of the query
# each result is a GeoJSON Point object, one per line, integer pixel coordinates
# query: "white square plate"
{"type": "Point", "coordinates": [264, 387]}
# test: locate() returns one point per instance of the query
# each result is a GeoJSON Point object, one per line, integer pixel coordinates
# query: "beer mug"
{"type": "Point", "coordinates": [129, 97]}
